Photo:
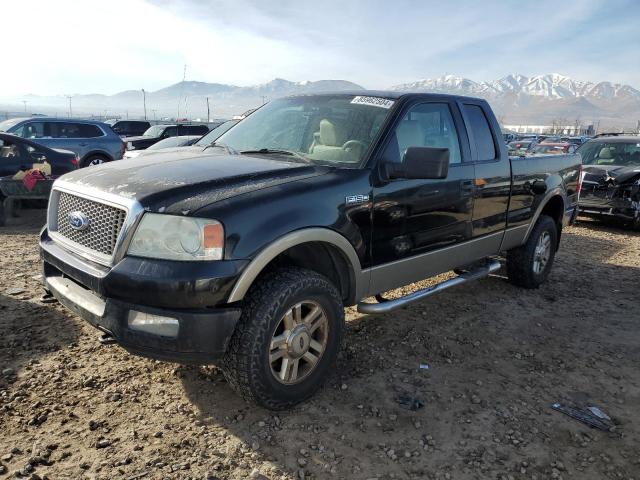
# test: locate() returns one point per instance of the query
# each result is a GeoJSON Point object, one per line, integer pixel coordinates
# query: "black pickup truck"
{"type": "Point", "coordinates": [245, 254]}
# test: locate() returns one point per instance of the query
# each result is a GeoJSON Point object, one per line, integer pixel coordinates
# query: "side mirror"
{"type": "Point", "coordinates": [38, 157]}
{"type": "Point", "coordinates": [421, 163]}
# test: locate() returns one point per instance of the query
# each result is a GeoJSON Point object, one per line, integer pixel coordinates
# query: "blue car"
{"type": "Point", "coordinates": [93, 142]}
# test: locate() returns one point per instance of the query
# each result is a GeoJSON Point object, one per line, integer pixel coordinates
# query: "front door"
{"type": "Point", "coordinates": [414, 217]}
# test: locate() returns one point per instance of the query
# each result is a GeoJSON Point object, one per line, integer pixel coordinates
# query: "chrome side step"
{"type": "Point", "coordinates": [390, 305]}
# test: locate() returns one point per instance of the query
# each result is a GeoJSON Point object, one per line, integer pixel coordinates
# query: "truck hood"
{"type": "Point", "coordinates": [184, 181]}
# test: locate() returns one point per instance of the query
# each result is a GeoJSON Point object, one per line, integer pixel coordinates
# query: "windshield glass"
{"type": "Point", "coordinates": [625, 154]}
{"type": "Point", "coordinates": [214, 134]}
{"type": "Point", "coordinates": [329, 129]}
{"type": "Point", "coordinates": [154, 131]}
{"type": "Point", "coordinates": [7, 124]}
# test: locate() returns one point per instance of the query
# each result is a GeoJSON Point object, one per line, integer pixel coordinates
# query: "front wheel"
{"type": "Point", "coordinates": [287, 338]}
{"type": "Point", "coordinates": [529, 265]}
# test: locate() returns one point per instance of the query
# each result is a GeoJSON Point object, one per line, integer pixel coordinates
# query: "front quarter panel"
{"type": "Point", "coordinates": [254, 220]}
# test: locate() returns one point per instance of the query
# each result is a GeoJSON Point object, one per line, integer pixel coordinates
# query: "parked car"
{"type": "Point", "coordinates": [171, 142]}
{"type": "Point", "coordinates": [198, 146]}
{"type": "Point", "coordinates": [553, 148]}
{"type": "Point", "coordinates": [521, 147]}
{"type": "Point", "coordinates": [246, 254]}
{"type": "Point", "coordinates": [160, 132]}
{"type": "Point", "coordinates": [20, 154]}
{"type": "Point", "coordinates": [575, 140]}
{"type": "Point", "coordinates": [611, 184]}
{"type": "Point", "coordinates": [129, 128]}
{"type": "Point", "coordinates": [93, 142]}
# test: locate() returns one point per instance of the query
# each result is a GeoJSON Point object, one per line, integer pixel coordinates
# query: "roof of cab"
{"type": "Point", "coordinates": [391, 94]}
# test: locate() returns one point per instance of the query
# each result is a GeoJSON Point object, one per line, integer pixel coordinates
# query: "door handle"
{"type": "Point", "coordinates": [83, 144]}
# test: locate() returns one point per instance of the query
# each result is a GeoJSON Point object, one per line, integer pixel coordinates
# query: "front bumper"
{"type": "Point", "coordinates": [104, 297]}
{"type": "Point", "coordinates": [622, 212]}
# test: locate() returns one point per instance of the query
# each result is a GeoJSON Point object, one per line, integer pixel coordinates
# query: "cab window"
{"type": "Point", "coordinates": [424, 125]}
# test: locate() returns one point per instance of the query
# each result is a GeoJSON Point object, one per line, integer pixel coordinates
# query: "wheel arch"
{"type": "Point", "coordinates": [553, 205]}
{"type": "Point", "coordinates": [333, 256]}
{"type": "Point", "coordinates": [97, 153]}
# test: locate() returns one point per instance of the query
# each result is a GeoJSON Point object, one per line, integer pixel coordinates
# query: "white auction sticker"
{"type": "Point", "coordinates": [373, 101]}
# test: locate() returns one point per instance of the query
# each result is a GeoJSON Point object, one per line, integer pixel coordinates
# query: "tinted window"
{"type": "Point", "coordinates": [425, 125]}
{"type": "Point", "coordinates": [32, 130]}
{"type": "Point", "coordinates": [73, 130]}
{"type": "Point", "coordinates": [479, 126]}
{"type": "Point", "coordinates": [170, 132]}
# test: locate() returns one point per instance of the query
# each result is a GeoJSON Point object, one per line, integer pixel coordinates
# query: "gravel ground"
{"type": "Point", "coordinates": [498, 357]}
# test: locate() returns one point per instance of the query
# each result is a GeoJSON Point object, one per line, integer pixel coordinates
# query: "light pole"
{"type": "Point", "coordinates": [25, 105]}
{"type": "Point", "coordinates": [70, 111]}
{"type": "Point", "coordinates": [144, 101]}
{"type": "Point", "coordinates": [154, 115]}
{"type": "Point", "coordinates": [208, 114]}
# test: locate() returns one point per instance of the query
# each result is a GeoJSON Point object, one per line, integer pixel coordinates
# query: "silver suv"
{"type": "Point", "coordinates": [93, 142]}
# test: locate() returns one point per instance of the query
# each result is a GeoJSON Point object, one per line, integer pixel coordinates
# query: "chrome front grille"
{"type": "Point", "coordinates": [104, 223]}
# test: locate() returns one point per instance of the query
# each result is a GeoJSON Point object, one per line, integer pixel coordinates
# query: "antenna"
{"type": "Point", "coordinates": [70, 111]}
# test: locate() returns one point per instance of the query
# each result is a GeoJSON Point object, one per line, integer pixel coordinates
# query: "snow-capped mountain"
{"type": "Point", "coordinates": [550, 86]}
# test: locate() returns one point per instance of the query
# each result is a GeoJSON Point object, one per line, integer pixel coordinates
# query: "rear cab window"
{"type": "Point", "coordinates": [480, 132]}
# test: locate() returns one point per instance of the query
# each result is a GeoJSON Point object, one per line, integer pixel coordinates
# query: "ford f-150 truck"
{"type": "Point", "coordinates": [245, 254]}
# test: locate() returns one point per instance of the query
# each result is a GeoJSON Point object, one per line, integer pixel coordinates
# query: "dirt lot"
{"type": "Point", "coordinates": [498, 357]}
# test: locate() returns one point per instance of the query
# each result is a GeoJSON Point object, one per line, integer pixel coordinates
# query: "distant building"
{"type": "Point", "coordinates": [575, 130]}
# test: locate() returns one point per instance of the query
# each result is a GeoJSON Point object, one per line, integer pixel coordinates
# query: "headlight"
{"type": "Point", "coordinates": [130, 146]}
{"type": "Point", "coordinates": [172, 237]}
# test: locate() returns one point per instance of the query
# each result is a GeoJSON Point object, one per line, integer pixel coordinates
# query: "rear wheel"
{"type": "Point", "coordinates": [94, 160]}
{"type": "Point", "coordinates": [529, 265]}
{"type": "Point", "coordinates": [287, 339]}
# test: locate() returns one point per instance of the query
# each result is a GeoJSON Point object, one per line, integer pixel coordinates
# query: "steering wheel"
{"type": "Point", "coordinates": [354, 143]}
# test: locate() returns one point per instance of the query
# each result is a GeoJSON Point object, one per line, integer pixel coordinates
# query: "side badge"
{"type": "Point", "coordinates": [356, 199]}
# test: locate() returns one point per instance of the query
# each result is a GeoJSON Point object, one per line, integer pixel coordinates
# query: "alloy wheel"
{"type": "Point", "coordinates": [298, 342]}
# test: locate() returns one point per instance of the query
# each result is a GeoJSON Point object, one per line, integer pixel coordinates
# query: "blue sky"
{"type": "Point", "coordinates": [106, 47]}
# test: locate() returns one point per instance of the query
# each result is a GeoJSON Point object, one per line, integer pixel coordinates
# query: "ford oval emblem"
{"type": "Point", "coordinates": [78, 221]}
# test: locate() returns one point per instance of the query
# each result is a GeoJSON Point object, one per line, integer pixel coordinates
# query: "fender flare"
{"type": "Point", "coordinates": [292, 239]}
{"type": "Point", "coordinates": [557, 191]}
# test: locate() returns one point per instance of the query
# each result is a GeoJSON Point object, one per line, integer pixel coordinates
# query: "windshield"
{"type": "Point", "coordinates": [7, 124]}
{"type": "Point", "coordinates": [154, 131]}
{"type": "Point", "coordinates": [214, 134]}
{"type": "Point", "coordinates": [329, 129]}
{"type": "Point", "coordinates": [625, 154]}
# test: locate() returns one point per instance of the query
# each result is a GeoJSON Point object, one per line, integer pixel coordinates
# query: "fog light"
{"type": "Point", "coordinates": [155, 324]}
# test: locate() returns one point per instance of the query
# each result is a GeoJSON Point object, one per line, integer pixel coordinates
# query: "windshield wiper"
{"type": "Point", "coordinates": [277, 151]}
{"type": "Point", "coordinates": [228, 149]}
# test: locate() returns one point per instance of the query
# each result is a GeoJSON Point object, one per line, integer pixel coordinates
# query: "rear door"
{"type": "Point", "coordinates": [492, 169]}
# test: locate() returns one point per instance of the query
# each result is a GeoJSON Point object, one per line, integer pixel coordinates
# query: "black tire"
{"type": "Point", "coordinates": [521, 268]}
{"type": "Point", "coordinates": [247, 365]}
{"type": "Point", "coordinates": [93, 160]}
